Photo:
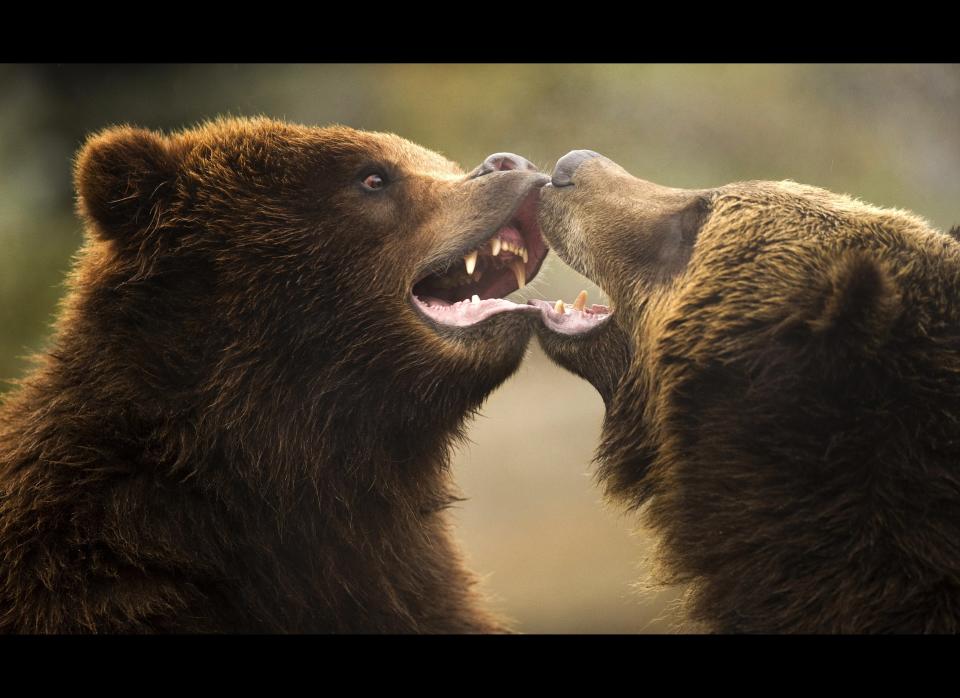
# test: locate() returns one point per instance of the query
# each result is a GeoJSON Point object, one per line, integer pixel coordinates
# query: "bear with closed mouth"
{"type": "Point", "coordinates": [271, 338]}
{"type": "Point", "coordinates": [780, 367]}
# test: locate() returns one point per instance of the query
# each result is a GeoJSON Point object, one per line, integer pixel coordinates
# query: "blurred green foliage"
{"type": "Point", "coordinates": [885, 133]}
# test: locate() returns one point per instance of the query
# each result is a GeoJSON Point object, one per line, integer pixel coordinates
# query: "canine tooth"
{"type": "Point", "coordinates": [523, 253]}
{"type": "Point", "coordinates": [581, 301]}
{"type": "Point", "coordinates": [471, 261]}
{"type": "Point", "coordinates": [520, 272]}
{"type": "Point", "coordinates": [475, 298]}
{"type": "Point", "coordinates": [560, 307]}
{"type": "Point", "coordinates": [495, 245]}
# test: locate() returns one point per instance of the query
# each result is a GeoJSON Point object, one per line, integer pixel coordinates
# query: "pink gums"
{"type": "Point", "coordinates": [466, 312]}
{"type": "Point", "coordinates": [572, 321]}
{"type": "Point", "coordinates": [511, 235]}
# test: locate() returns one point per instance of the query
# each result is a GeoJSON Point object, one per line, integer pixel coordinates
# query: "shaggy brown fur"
{"type": "Point", "coordinates": [242, 424]}
{"type": "Point", "coordinates": [787, 415]}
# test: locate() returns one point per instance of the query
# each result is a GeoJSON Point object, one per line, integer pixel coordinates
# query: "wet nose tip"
{"type": "Point", "coordinates": [568, 164]}
{"type": "Point", "coordinates": [499, 162]}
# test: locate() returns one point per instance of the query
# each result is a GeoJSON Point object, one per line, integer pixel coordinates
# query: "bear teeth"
{"type": "Point", "coordinates": [581, 301]}
{"type": "Point", "coordinates": [520, 272]}
{"type": "Point", "coordinates": [579, 304]}
{"type": "Point", "coordinates": [496, 246]}
{"type": "Point", "coordinates": [470, 260]}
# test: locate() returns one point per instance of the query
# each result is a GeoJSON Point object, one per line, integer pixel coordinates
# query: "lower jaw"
{"type": "Point", "coordinates": [468, 313]}
{"type": "Point", "coordinates": [571, 320]}
{"type": "Point", "coordinates": [564, 319]}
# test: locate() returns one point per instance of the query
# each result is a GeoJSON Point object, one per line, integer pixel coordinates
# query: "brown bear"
{"type": "Point", "coordinates": [781, 372]}
{"type": "Point", "coordinates": [271, 339]}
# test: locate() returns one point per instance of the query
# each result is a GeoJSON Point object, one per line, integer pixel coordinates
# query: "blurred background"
{"type": "Point", "coordinates": [553, 556]}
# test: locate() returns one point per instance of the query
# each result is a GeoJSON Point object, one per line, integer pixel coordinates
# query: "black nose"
{"type": "Point", "coordinates": [568, 164]}
{"type": "Point", "coordinates": [504, 161]}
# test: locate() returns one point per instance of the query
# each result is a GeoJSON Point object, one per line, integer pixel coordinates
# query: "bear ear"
{"type": "Point", "coordinates": [859, 300]}
{"type": "Point", "coordinates": [124, 178]}
{"type": "Point", "coordinates": [954, 232]}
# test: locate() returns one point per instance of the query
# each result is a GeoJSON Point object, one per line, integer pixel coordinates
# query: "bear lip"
{"type": "Point", "coordinates": [473, 302]}
{"type": "Point", "coordinates": [571, 321]}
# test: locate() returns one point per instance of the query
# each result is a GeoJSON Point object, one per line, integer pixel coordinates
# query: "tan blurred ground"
{"type": "Point", "coordinates": [555, 558]}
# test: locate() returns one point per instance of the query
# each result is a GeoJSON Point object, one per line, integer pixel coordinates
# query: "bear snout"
{"type": "Point", "coordinates": [502, 162]}
{"type": "Point", "coordinates": [568, 164]}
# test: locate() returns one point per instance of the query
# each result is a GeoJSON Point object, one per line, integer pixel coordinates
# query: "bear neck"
{"type": "Point", "coordinates": [309, 519]}
{"type": "Point", "coordinates": [861, 550]}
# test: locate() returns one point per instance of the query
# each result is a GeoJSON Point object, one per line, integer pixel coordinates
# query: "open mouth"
{"type": "Point", "coordinates": [471, 286]}
{"type": "Point", "coordinates": [574, 318]}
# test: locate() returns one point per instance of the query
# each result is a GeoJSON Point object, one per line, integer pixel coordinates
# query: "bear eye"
{"type": "Point", "coordinates": [374, 181]}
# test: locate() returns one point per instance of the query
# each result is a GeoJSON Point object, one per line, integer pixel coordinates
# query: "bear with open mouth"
{"type": "Point", "coordinates": [271, 339]}
{"type": "Point", "coordinates": [780, 367]}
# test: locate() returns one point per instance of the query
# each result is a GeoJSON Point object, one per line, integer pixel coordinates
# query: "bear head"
{"type": "Point", "coordinates": [781, 369]}
{"type": "Point", "coordinates": [250, 273]}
